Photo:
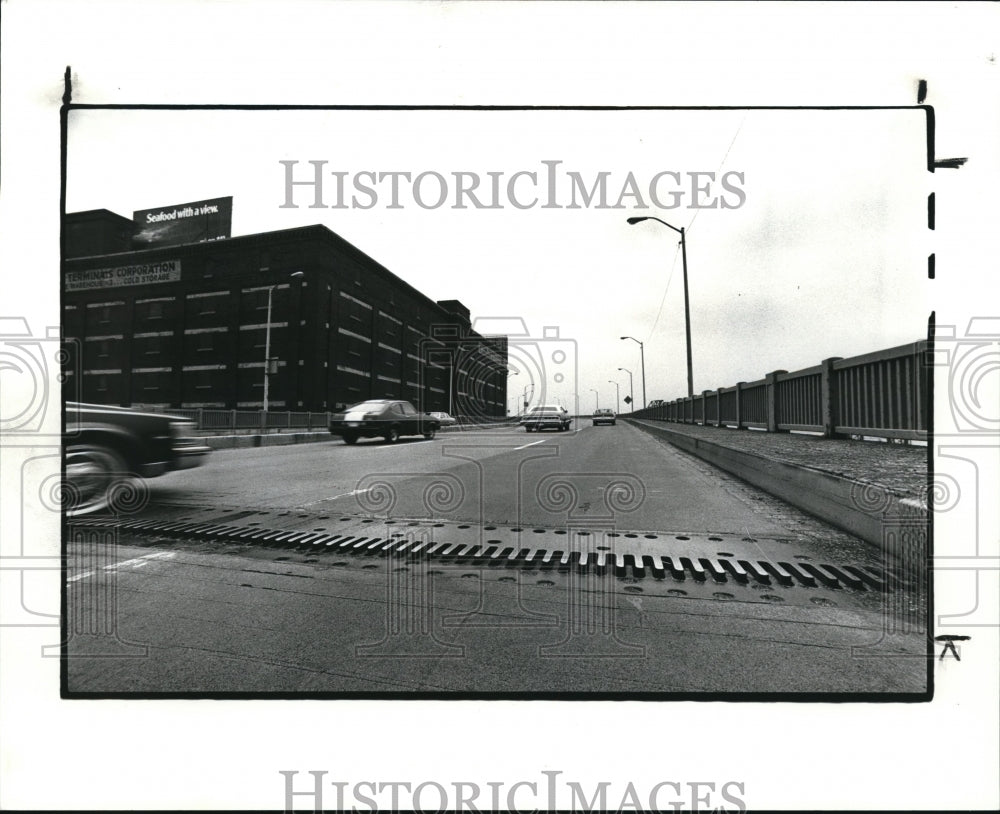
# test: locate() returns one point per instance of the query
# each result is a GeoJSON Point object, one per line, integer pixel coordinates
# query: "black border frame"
{"type": "Point", "coordinates": [796, 697]}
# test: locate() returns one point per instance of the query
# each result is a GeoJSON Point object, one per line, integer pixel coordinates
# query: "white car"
{"type": "Point", "coordinates": [445, 419]}
{"type": "Point", "coordinates": [546, 417]}
{"type": "Point", "coordinates": [604, 415]}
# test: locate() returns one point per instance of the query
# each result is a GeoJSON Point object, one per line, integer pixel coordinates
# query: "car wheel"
{"type": "Point", "coordinates": [430, 434]}
{"type": "Point", "coordinates": [391, 436]}
{"type": "Point", "coordinates": [527, 429]}
{"type": "Point", "coordinates": [350, 438]}
{"type": "Point", "coordinates": [91, 471]}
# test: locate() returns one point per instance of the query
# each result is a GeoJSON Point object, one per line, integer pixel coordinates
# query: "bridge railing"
{"type": "Point", "coordinates": [883, 395]}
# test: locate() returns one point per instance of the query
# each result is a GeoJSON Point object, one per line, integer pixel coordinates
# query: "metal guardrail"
{"type": "Point", "coordinates": [885, 394]}
{"type": "Point", "coordinates": [235, 421]}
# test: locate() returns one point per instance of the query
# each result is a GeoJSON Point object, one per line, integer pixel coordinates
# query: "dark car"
{"type": "Point", "coordinates": [382, 418]}
{"type": "Point", "coordinates": [107, 445]}
{"type": "Point", "coordinates": [604, 415]}
{"type": "Point", "coordinates": [546, 417]}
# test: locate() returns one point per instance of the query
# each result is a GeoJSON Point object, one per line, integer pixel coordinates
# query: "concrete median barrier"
{"type": "Point", "coordinates": [278, 439]}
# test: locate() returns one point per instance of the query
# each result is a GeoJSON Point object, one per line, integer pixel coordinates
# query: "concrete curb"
{"type": "Point", "coordinates": [278, 439]}
{"type": "Point", "coordinates": [895, 524]}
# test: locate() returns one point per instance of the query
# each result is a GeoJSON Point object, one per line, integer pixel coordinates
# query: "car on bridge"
{"type": "Point", "coordinates": [546, 417]}
{"type": "Point", "coordinates": [107, 447]}
{"type": "Point", "coordinates": [445, 419]}
{"type": "Point", "coordinates": [604, 415]}
{"type": "Point", "coordinates": [389, 419]}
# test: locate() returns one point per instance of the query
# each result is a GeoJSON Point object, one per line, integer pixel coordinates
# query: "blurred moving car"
{"type": "Point", "coordinates": [444, 419]}
{"type": "Point", "coordinates": [386, 418]}
{"type": "Point", "coordinates": [546, 417]}
{"type": "Point", "coordinates": [107, 446]}
{"type": "Point", "coordinates": [604, 415]}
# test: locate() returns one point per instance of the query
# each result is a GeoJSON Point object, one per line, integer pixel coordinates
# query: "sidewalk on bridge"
{"type": "Point", "coordinates": [869, 488]}
{"type": "Point", "coordinates": [900, 468]}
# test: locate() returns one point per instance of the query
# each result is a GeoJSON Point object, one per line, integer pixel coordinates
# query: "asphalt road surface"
{"type": "Point", "coordinates": [600, 562]}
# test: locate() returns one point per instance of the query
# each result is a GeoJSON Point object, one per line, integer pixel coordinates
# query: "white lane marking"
{"type": "Point", "coordinates": [334, 497]}
{"type": "Point", "coordinates": [532, 444]}
{"type": "Point", "coordinates": [136, 562]}
{"type": "Point", "coordinates": [349, 494]}
{"type": "Point", "coordinates": [156, 555]}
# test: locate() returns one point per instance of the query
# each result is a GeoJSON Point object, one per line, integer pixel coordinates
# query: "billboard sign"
{"type": "Point", "coordinates": [163, 271]}
{"type": "Point", "coordinates": [194, 222]}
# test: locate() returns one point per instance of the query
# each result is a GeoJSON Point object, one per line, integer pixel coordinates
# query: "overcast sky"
{"type": "Point", "coordinates": [816, 245]}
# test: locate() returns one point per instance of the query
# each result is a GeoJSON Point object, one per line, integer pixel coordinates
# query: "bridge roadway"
{"type": "Point", "coordinates": [600, 561]}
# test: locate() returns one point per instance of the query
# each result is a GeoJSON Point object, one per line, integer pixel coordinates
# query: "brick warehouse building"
{"type": "Point", "coordinates": [185, 325]}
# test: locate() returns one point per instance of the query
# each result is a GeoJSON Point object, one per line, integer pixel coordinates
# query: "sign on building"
{"type": "Point", "coordinates": [163, 271]}
{"type": "Point", "coordinates": [194, 222]}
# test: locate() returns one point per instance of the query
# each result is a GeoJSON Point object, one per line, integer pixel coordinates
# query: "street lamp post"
{"type": "Point", "coordinates": [267, 338]}
{"type": "Point", "coordinates": [687, 307]}
{"type": "Point", "coordinates": [618, 396]}
{"type": "Point", "coordinates": [642, 355]}
{"type": "Point", "coordinates": [631, 390]}
{"type": "Point", "coordinates": [597, 399]}
{"type": "Point", "coordinates": [532, 386]}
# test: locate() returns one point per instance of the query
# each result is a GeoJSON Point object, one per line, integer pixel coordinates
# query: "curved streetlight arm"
{"type": "Point", "coordinates": [687, 305]}
{"type": "Point", "coordinates": [634, 221]}
{"type": "Point", "coordinates": [642, 355]}
{"type": "Point", "coordinates": [618, 396]}
{"type": "Point", "coordinates": [631, 390]}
